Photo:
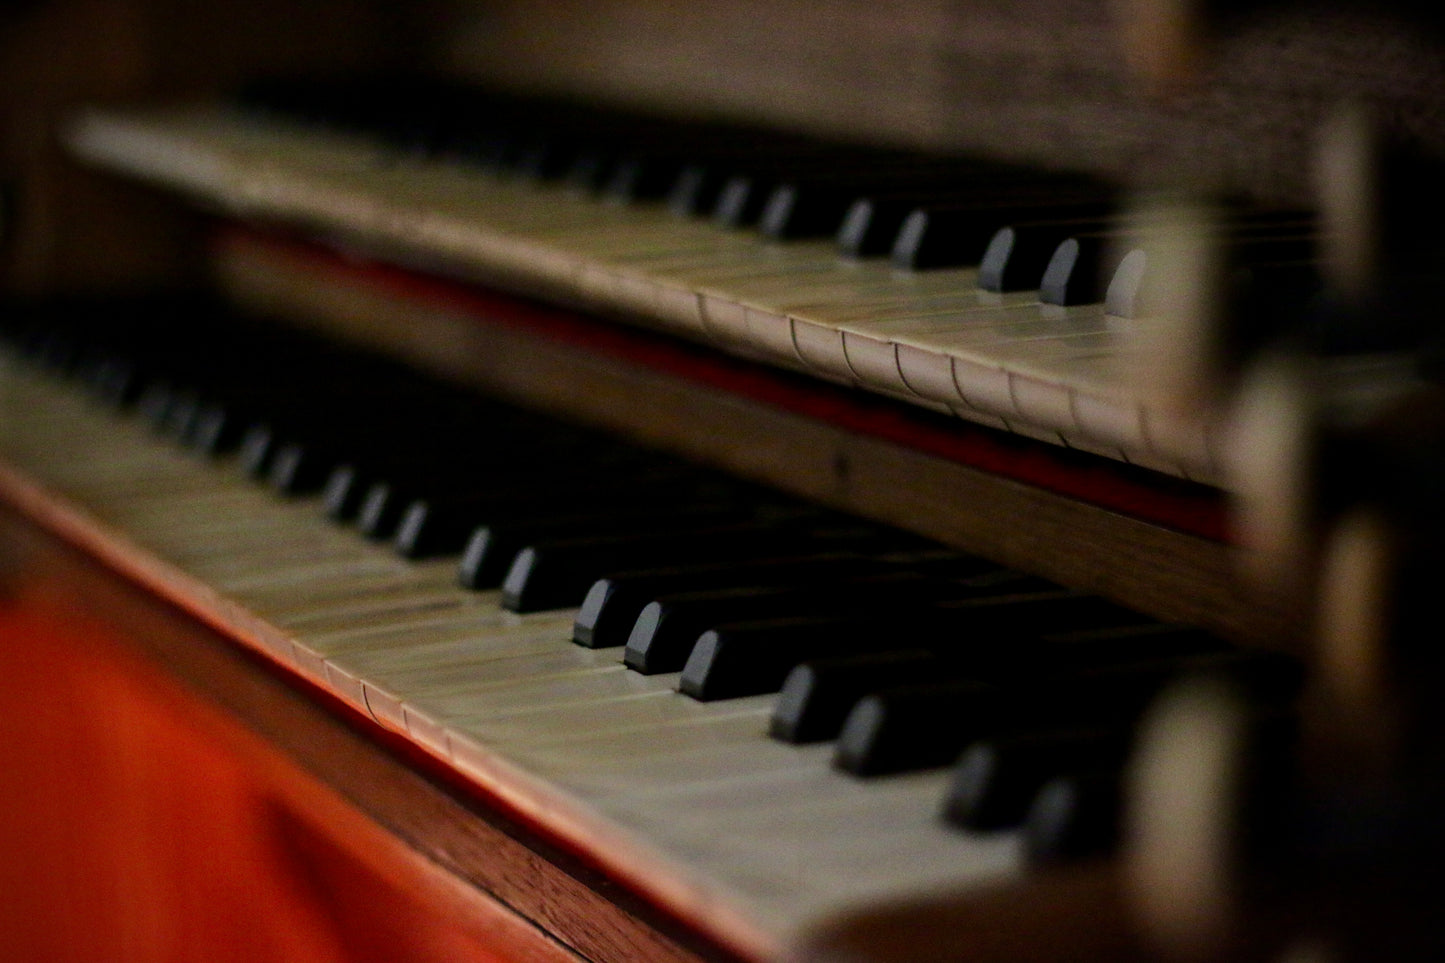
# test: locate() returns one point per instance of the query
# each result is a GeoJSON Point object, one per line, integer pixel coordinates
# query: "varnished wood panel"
{"type": "Point", "coordinates": [1041, 80]}
{"type": "Point", "coordinates": [68, 227]}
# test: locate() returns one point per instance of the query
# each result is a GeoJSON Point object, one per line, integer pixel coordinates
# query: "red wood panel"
{"type": "Point", "coordinates": [140, 823]}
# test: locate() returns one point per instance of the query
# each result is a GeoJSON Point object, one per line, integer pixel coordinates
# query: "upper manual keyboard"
{"type": "Point", "coordinates": [1003, 295]}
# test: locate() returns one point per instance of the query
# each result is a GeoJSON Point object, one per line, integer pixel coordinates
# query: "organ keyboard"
{"type": "Point", "coordinates": [659, 765]}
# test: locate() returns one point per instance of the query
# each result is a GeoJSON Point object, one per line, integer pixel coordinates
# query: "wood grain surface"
{"type": "Point", "coordinates": [1048, 81]}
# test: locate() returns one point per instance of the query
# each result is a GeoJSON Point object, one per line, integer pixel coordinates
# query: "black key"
{"type": "Point", "coordinates": [746, 190]}
{"type": "Point", "coordinates": [557, 574]}
{"type": "Point", "coordinates": [388, 447]}
{"type": "Point", "coordinates": [380, 510]}
{"type": "Point", "coordinates": [590, 168]}
{"type": "Point", "coordinates": [299, 469]}
{"type": "Point", "coordinates": [1074, 817]}
{"type": "Point", "coordinates": [753, 657]}
{"type": "Point", "coordinates": [751, 182]}
{"type": "Point", "coordinates": [871, 225]}
{"type": "Point", "coordinates": [864, 209]}
{"type": "Point", "coordinates": [1079, 269]}
{"type": "Point", "coordinates": [861, 226]}
{"type": "Point", "coordinates": [817, 695]}
{"type": "Point", "coordinates": [309, 425]}
{"type": "Point", "coordinates": [356, 483]}
{"type": "Point", "coordinates": [1085, 266]}
{"type": "Point", "coordinates": [354, 408]}
{"type": "Point", "coordinates": [799, 210]}
{"type": "Point", "coordinates": [613, 603]}
{"type": "Point", "coordinates": [920, 727]}
{"type": "Point", "coordinates": [741, 200]}
{"type": "Point", "coordinates": [492, 547]}
{"type": "Point", "coordinates": [520, 468]}
{"type": "Point", "coordinates": [443, 523]}
{"type": "Point", "coordinates": [926, 725]}
{"type": "Point", "coordinates": [155, 402]}
{"type": "Point", "coordinates": [181, 414]}
{"type": "Point", "coordinates": [696, 190]}
{"type": "Point", "coordinates": [955, 235]}
{"type": "Point", "coordinates": [226, 410]}
{"type": "Point", "coordinates": [387, 500]}
{"type": "Point", "coordinates": [641, 177]}
{"type": "Point", "coordinates": [666, 629]}
{"type": "Point", "coordinates": [344, 491]}
{"type": "Point", "coordinates": [289, 432]}
{"type": "Point", "coordinates": [544, 158]}
{"type": "Point", "coordinates": [995, 780]}
{"type": "Point", "coordinates": [117, 381]}
{"type": "Point", "coordinates": [299, 464]}
{"type": "Point", "coordinates": [259, 443]}
{"type": "Point", "coordinates": [1017, 256]}
{"type": "Point", "coordinates": [218, 429]}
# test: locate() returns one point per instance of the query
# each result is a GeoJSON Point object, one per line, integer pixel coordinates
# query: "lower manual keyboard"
{"type": "Point", "coordinates": [739, 808]}
{"type": "Point", "coordinates": [753, 837]}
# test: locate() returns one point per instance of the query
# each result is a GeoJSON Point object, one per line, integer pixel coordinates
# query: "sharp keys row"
{"type": "Point", "coordinates": [1060, 238]}
{"type": "Point", "coordinates": [906, 654]}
